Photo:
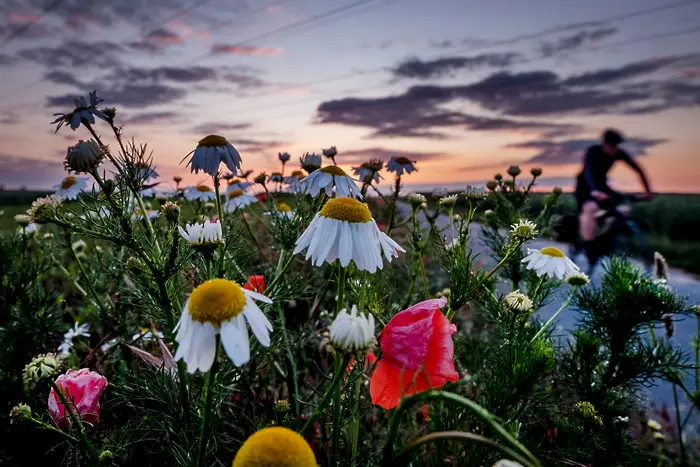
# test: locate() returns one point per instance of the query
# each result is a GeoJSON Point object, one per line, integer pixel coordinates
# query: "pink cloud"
{"type": "Point", "coordinates": [22, 18]}
{"type": "Point", "coordinates": [165, 36]}
{"type": "Point", "coordinates": [180, 28]}
{"type": "Point", "coordinates": [244, 50]}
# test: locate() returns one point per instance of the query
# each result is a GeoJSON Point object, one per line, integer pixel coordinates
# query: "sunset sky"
{"type": "Point", "coordinates": [465, 87]}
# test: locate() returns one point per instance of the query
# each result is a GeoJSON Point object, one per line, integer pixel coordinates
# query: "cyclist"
{"type": "Point", "coordinates": [592, 190]}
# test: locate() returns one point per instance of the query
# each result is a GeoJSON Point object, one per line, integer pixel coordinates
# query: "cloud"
{"type": "Point", "coordinates": [633, 70]}
{"type": "Point", "coordinates": [164, 36]}
{"type": "Point", "coordinates": [358, 156]}
{"type": "Point", "coordinates": [571, 151]}
{"type": "Point", "coordinates": [575, 41]}
{"type": "Point", "coordinates": [20, 171]}
{"type": "Point", "coordinates": [131, 95]}
{"type": "Point", "coordinates": [245, 81]}
{"type": "Point", "coordinates": [62, 77]}
{"type": "Point", "coordinates": [151, 118]}
{"type": "Point", "coordinates": [414, 68]}
{"type": "Point", "coordinates": [165, 73]}
{"type": "Point", "coordinates": [244, 50]}
{"type": "Point", "coordinates": [255, 146]}
{"type": "Point", "coordinates": [6, 59]}
{"type": "Point", "coordinates": [75, 54]}
{"type": "Point", "coordinates": [219, 128]}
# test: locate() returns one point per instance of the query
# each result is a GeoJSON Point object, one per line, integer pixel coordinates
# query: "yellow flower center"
{"type": "Point", "coordinates": [68, 182]}
{"type": "Point", "coordinates": [216, 301]}
{"type": "Point", "coordinates": [551, 251]}
{"type": "Point", "coordinates": [212, 141]}
{"type": "Point", "coordinates": [333, 170]}
{"type": "Point", "coordinates": [275, 446]}
{"type": "Point", "coordinates": [203, 188]}
{"type": "Point", "coordinates": [403, 160]}
{"type": "Point", "coordinates": [233, 181]}
{"type": "Point", "coordinates": [283, 207]}
{"type": "Point", "coordinates": [235, 194]}
{"type": "Point", "coordinates": [346, 209]}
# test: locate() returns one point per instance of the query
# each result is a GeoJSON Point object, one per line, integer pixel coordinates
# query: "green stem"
{"type": "Point", "coordinates": [206, 417]}
{"type": "Point", "coordinates": [278, 276]}
{"type": "Point", "coordinates": [555, 315]}
{"type": "Point", "coordinates": [88, 283]}
{"type": "Point", "coordinates": [56, 430]}
{"type": "Point", "coordinates": [70, 276]}
{"type": "Point", "coordinates": [292, 383]}
{"type": "Point", "coordinates": [219, 211]}
{"type": "Point", "coordinates": [253, 237]}
{"type": "Point", "coordinates": [356, 418]}
{"type": "Point", "coordinates": [424, 276]}
{"type": "Point", "coordinates": [468, 404]}
{"type": "Point", "coordinates": [394, 199]}
{"type": "Point", "coordinates": [77, 423]}
{"type": "Point", "coordinates": [335, 421]}
{"type": "Point", "coordinates": [678, 425]}
{"type": "Point", "coordinates": [503, 261]}
{"type": "Point", "coordinates": [341, 288]}
{"type": "Point", "coordinates": [325, 400]}
{"type": "Point", "coordinates": [459, 435]}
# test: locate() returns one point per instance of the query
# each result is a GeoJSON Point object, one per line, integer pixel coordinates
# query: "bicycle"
{"type": "Point", "coordinates": [614, 223]}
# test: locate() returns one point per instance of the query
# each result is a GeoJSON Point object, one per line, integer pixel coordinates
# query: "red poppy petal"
{"type": "Point", "coordinates": [439, 364]}
{"type": "Point", "coordinates": [384, 385]}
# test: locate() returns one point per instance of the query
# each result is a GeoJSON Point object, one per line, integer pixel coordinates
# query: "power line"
{"type": "Point", "coordinates": [21, 30]}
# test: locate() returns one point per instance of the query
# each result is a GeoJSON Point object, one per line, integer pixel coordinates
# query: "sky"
{"type": "Point", "coordinates": [464, 87]}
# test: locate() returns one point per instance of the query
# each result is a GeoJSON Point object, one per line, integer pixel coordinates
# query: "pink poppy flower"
{"type": "Point", "coordinates": [417, 353]}
{"type": "Point", "coordinates": [82, 388]}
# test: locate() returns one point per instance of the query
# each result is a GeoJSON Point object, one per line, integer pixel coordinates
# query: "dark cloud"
{"type": "Point", "coordinates": [63, 77]}
{"type": "Point", "coordinates": [250, 145]}
{"type": "Point", "coordinates": [151, 118]}
{"type": "Point", "coordinates": [419, 69]}
{"type": "Point", "coordinates": [358, 156]}
{"type": "Point", "coordinates": [575, 41]}
{"type": "Point", "coordinates": [177, 75]}
{"type": "Point", "coordinates": [6, 59]}
{"type": "Point", "coordinates": [633, 70]}
{"type": "Point", "coordinates": [20, 171]}
{"type": "Point", "coordinates": [572, 150]}
{"type": "Point", "coordinates": [75, 54]}
{"type": "Point", "coordinates": [233, 49]}
{"type": "Point", "coordinates": [131, 95]}
{"type": "Point", "coordinates": [244, 81]}
{"type": "Point", "coordinates": [219, 128]}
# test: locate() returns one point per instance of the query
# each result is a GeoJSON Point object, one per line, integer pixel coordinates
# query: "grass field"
{"type": "Point", "coordinates": [670, 221]}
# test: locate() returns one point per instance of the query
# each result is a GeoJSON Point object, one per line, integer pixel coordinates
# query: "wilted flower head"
{"type": "Point", "coordinates": [513, 170]}
{"type": "Point", "coordinates": [310, 162]}
{"type": "Point", "coordinates": [283, 157]}
{"type": "Point", "coordinates": [210, 152]}
{"type": "Point", "coordinates": [171, 211]}
{"type": "Point", "coordinates": [84, 112]}
{"type": "Point", "coordinates": [577, 279]}
{"type": "Point", "coordinates": [20, 412]}
{"type": "Point", "coordinates": [330, 152]}
{"type": "Point", "coordinates": [275, 446]}
{"type": "Point", "coordinates": [518, 301]}
{"type": "Point", "coordinates": [523, 230]}
{"type": "Point", "coordinates": [41, 367]}
{"type": "Point", "coordinates": [44, 209]}
{"type": "Point", "coordinates": [536, 172]}
{"type": "Point", "coordinates": [84, 157]}
{"type": "Point", "coordinates": [82, 389]}
{"type": "Point", "coordinates": [352, 332]}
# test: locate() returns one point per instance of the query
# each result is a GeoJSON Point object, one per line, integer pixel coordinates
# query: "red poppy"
{"type": "Point", "coordinates": [262, 197]}
{"type": "Point", "coordinates": [256, 284]}
{"type": "Point", "coordinates": [380, 226]}
{"type": "Point", "coordinates": [417, 352]}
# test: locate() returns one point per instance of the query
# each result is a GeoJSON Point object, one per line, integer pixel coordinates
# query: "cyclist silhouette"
{"type": "Point", "coordinates": [592, 190]}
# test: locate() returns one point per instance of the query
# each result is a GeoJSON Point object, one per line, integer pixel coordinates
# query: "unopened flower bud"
{"type": "Point", "coordinates": [536, 172]}
{"type": "Point", "coordinates": [557, 191]}
{"type": "Point", "coordinates": [283, 157]}
{"type": "Point", "coordinates": [171, 211]}
{"type": "Point", "coordinates": [330, 152]}
{"type": "Point", "coordinates": [85, 156]}
{"type": "Point", "coordinates": [514, 170]}
{"type": "Point", "coordinates": [41, 367]}
{"type": "Point", "coordinates": [498, 177]}
{"type": "Point", "coordinates": [416, 200]}
{"type": "Point", "coordinates": [448, 201]}
{"type": "Point", "coordinates": [491, 185]}
{"type": "Point", "coordinates": [22, 219]}
{"type": "Point", "coordinates": [110, 112]}
{"type": "Point", "coordinates": [260, 178]}
{"type": "Point", "coordinates": [44, 209]}
{"type": "Point", "coordinates": [20, 412]}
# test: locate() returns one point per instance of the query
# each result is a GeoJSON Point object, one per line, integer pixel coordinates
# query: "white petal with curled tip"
{"type": "Point", "coordinates": [259, 323]}
{"type": "Point", "coordinates": [234, 338]}
{"type": "Point", "coordinates": [257, 296]}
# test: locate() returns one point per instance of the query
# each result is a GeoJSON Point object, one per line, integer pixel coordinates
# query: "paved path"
{"type": "Point", "coordinates": [683, 283]}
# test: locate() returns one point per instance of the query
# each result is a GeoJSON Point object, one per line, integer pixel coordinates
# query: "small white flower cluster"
{"type": "Point", "coordinates": [77, 331]}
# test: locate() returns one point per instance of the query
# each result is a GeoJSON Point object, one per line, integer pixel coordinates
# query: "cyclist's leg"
{"type": "Point", "coordinates": [587, 220]}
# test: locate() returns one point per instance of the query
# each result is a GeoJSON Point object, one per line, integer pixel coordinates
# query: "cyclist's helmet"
{"type": "Point", "coordinates": [612, 137]}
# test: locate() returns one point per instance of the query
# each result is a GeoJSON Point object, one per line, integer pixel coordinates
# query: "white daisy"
{"type": "Point", "coordinates": [82, 330]}
{"type": "Point", "coordinates": [138, 214]}
{"type": "Point", "coordinates": [345, 230]}
{"type": "Point", "coordinates": [352, 332]}
{"type": "Point", "coordinates": [523, 230]}
{"type": "Point", "coordinates": [238, 185]}
{"type": "Point", "coordinates": [146, 335]}
{"type": "Point", "coordinates": [220, 306]}
{"type": "Point", "coordinates": [550, 261]}
{"type": "Point", "coordinates": [401, 165]}
{"type": "Point", "coordinates": [293, 182]}
{"type": "Point", "coordinates": [237, 199]}
{"type": "Point", "coordinates": [210, 152]}
{"type": "Point", "coordinates": [518, 301]}
{"type": "Point", "coordinates": [200, 193]}
{"type": "Point", "coordinates": [208, 233]}
{"type": "Point", "coordinates": [577, 279]}
{"type": "Point", "coordinates": [329, 177]}
{"type": "Point", "coordinates": [70, 187]}
{"type": "Point", "coordinates": [310, 162]}
{"type": "Point", "coordinates": [368, 172]}
{"type": "Point", "coordinates": [283, 210]}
